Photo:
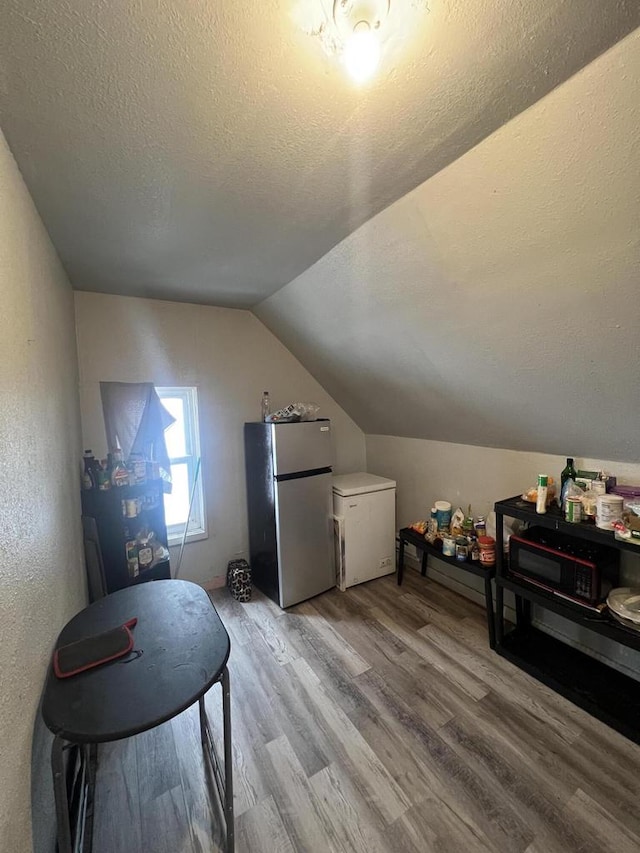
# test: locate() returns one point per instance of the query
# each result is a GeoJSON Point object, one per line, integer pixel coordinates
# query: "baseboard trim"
{"type": "Point", "coordinates": [214, 583]}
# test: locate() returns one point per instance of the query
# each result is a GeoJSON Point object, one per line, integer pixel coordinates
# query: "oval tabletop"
{"type": "Point", "coordinates": [183, 649]}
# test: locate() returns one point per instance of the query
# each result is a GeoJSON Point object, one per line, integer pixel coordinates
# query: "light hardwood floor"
{"type": "Point", "coordinates": [377, 721]}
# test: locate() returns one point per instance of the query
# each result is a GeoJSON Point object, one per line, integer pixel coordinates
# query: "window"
{"type": "Point", "coordinates": [183, 447]}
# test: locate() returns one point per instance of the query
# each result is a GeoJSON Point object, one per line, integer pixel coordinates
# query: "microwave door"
{"type": "Point", "coordinates": [539, 566]}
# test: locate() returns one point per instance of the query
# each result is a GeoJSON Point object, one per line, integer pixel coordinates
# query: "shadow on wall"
{"type": "Point", "coordinates": [43, 819]}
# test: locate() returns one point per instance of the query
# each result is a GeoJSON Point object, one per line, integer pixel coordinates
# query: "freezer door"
{"type": "Point", "coordinates": [301, 447]}
{"type": "Point", "coordinates": [305, 538]}
{"type": "Point", "coordinates": [369, 536]}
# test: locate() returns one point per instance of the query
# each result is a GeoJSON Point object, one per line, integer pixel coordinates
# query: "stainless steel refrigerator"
{"type": "Point", "coordinates": [289, 499]}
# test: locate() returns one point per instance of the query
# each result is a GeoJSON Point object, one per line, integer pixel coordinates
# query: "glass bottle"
{"type": "Point", "coordinates": [568, 472]}
{"type": "Point", "coordinates": [467, 524]}
{"type": "Point", "coordinates": [265, 408]}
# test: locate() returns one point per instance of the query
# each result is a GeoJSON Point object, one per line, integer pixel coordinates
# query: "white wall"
{"type": "Point", "coordinates": [41, 566]}
{"type": "Point", "coordinates": [496, 304]}
{"type": "Point", "coordinates": [426, 471]}
{"type": "Point", "coordinates": [232, 358]}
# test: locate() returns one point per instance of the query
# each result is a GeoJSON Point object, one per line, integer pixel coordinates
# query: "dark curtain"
{"type": "Point", "coordinates": [135, 421]}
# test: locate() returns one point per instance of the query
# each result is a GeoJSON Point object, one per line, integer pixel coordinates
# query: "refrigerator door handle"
{"type": "Point", "coordinates": [298, 475]}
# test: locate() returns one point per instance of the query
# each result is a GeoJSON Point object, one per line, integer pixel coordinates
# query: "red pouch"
{"type": "Point", "coordinates": [93, 651]}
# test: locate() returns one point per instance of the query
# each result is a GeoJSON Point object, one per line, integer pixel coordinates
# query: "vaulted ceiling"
{"type": "Point", "coordinates": [496, 304]}
{"type": "Point", "coordinates": [209, 151]}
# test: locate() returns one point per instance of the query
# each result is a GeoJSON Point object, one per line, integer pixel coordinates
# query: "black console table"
{"type": "Point", "coordinates": [407, 535]}
{"type": "Point", "coordinates": [601, 690]}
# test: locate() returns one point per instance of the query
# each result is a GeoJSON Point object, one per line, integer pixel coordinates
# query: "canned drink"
{"type": "Point", "coordinates": [573, 510]}
{"type": "Point", "coordinates": [462, 548]}
{"type": "Point", "coordinates": [448, 546]}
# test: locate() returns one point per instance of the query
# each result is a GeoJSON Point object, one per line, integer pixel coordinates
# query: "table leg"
{"type": "Point", "coordinates": [60, 794]}
{"type": "Point", "coordinates": [223, 778]}
{"type": "Point", "coordinates": [228, 774]}
{"type": "Point", "coordinates": [400, 560]}
{"type": "Point", "coordinates": [491, 624]}
{"type": "Point", "coordinates": [423, 567]}
{"type": "Point", "coordinates": [203, 721]}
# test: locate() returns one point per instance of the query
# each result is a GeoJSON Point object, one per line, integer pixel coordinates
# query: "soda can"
{"type": "Point", "coordinates": [573, 510]}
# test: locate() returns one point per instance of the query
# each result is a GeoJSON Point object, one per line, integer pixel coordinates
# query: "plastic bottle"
{"type": "Point", "coordinates": [266, 406]}
{"type": "Point", "coordinates": [541, 501]}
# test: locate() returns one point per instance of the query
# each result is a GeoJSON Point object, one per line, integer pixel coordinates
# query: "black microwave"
{"type": "Point", "coordinates": [573, 568]}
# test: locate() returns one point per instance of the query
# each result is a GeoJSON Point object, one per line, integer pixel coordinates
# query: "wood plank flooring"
{"type": "Point", "coordinates": [376, 721]}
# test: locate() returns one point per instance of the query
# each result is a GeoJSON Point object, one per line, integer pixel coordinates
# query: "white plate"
{"type": "Point", "coordinates": [635, 626]}
{"type": "Point", "coordinates": [625, 602]}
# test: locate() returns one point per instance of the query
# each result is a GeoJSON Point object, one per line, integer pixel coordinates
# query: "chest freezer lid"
{"type": "Point", "coordinates": [360, 483]}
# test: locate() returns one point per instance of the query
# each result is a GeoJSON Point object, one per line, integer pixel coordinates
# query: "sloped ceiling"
{"type": "Point", "coordinates": [498, 303]}
{"type": "Point", "coordinates": [208, 151]}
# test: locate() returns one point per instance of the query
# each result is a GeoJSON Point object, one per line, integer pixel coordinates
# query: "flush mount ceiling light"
{"type": "Point", "coordinates": [359, 24]}
{"type": "Point", "coordinates": [359, 33]}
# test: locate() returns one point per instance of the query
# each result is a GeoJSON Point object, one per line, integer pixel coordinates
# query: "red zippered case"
{"type": "Point", "coordinates": [93, 651]}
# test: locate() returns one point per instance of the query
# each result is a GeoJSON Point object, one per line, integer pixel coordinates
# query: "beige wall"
{"type": "Point", "coordinates": [41, 570]}
{"type": "Point", "coordinates": [232, 358]}
{"type": "Point", "coordinates": [463, 474]}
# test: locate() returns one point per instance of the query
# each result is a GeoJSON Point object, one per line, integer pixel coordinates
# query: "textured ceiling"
{"type": "Point", "coordinates": [496, 304]}
{"type": "Point", "coordinates": [209, 151]}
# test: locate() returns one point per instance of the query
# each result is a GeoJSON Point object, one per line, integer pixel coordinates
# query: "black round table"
{"type": "Point", "coordinates": [180, 650]}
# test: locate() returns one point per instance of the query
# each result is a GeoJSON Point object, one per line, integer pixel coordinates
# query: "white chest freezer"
{"type": "Point", "coordinates": [364, 510]}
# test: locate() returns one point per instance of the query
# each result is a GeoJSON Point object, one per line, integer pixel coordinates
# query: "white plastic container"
{"type": "Point", "coordinates": [443, 510]}
{"type": "Point", "coordinates": [608, 510]}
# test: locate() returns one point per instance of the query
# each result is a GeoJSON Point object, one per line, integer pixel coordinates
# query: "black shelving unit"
{"type": "Point", "coordinates": [115, 529]}
{"type": "Point", "coordinates": [607, 694]}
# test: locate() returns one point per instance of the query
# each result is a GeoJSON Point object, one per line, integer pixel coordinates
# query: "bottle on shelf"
{"type": "Point", "coordinates": [133, 567]}
{"type": "Point", "coordinates": [568, 473]}
{"type": "Point", "coordinates": [481, 526]}
{"type": "Point", "coordinates": [265, 408]}
{"type": "Point", "coordinates": [119, 473]}
{"type": "Point", "coordinates": [474, 550]}
{"type": "Point", "coordinates": [103, 476]}
{"type": "Point", "coordinates": [467, 525]}
{"type": "Point", "coordinates": [541, 500]}
{"type": "Point", "coordinates": [89, 472]}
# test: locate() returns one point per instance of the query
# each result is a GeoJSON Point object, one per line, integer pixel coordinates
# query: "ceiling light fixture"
{"type": "Point", "coordinates": [362, 52]}
{"type": "Point", "coordinates": [358, 22]}
{"type": "Point", "coordinates": [361, 33]}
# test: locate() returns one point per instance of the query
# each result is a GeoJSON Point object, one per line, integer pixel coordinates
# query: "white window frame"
{"type": "Point", "coordinates": [198, 521]}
